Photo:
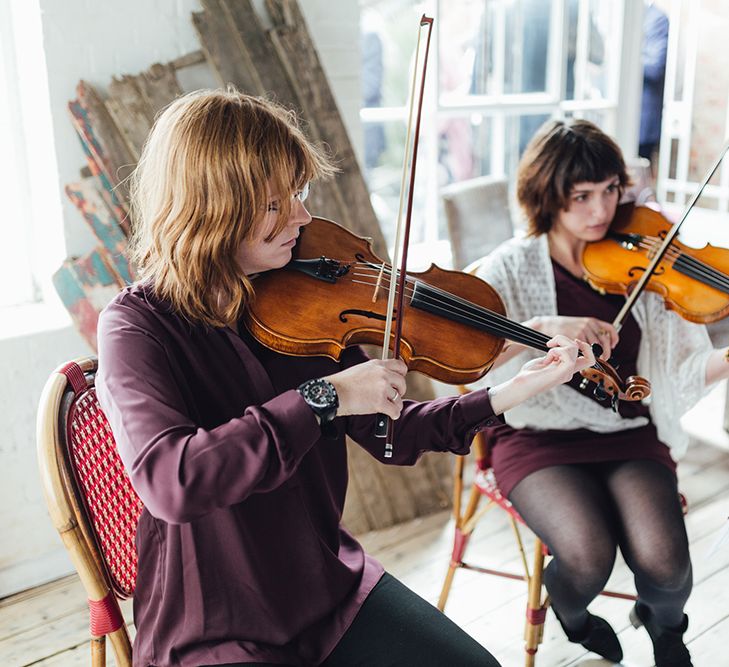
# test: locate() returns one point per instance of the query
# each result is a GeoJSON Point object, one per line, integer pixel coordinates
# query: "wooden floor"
{"type": "Point", "coordinates": [48, 625]}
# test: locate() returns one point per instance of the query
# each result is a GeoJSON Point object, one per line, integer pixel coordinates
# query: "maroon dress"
{"type": "Point", "coordinates": [517, 453]}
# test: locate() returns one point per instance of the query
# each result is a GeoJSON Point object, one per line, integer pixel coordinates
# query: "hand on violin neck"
{"type": "Point", "coordinates": [560, 363]}
{"type": "Point", "coordinates": [373, 387]}
{"type": "Point", "coordinates": [588, 329]}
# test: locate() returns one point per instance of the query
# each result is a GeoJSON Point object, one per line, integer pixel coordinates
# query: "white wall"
{"type": "Point", "coordinates": [95, 40]}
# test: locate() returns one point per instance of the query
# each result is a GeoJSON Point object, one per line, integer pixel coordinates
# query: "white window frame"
{"type": "Point", "coordinates": [622, 102]}
{"type": "Point", "coordinates": [30, 186]}
{"type": "Point", "coordinates": [678, 114]}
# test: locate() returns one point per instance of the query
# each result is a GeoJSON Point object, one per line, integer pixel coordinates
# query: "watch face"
{"type": "Point", "coordinates": [319, 393]}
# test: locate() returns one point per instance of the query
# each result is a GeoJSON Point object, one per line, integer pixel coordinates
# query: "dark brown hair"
{"type": "Point", "coordinates": [561, 154]}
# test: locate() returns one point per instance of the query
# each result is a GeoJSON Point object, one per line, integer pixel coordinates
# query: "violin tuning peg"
{"type": "Point", "coordinates": [583, 384]}
{"type": "Point", "coordinates": [599, 391]}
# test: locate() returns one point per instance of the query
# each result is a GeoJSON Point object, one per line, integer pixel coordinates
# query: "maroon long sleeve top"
{"type": "Point", "coordinates": [242, 557]}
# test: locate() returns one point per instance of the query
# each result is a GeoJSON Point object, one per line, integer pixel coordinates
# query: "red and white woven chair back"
{"type": "Point", "coordinates": [112, 506]}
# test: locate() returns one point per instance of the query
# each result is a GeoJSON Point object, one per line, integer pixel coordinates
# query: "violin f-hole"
{"type": "Point", "coordinates": [363, 313]}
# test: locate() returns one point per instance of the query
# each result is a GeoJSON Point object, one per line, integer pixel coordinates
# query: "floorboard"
{"type": "Point", "coordinates": [48, 626]}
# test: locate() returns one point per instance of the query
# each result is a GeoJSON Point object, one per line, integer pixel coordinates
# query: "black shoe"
{"type": "Point", "coordinates": [668, 647]}
{"type": "Point", "coordinates": [596, 636]}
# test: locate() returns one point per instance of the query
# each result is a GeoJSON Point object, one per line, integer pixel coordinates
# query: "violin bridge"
{"type": "Point", "coordinates": [378, 284]}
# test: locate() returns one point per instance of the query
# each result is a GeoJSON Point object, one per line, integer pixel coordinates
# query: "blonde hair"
{"type": "Point", "coordinates": [200, 190]}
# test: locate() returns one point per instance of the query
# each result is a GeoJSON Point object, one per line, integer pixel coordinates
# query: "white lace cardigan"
{"type": "Point", "coordinates": [673, 353]}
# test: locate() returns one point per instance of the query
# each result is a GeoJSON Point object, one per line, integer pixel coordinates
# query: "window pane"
{"type": "Point", "coordinates": [16, 284]}
{"type": "Point", "coordinates": [384, 177]}
{"type": "Point", "coordinates": [497, 84]}
{"type": "Point", "coordinates": [468, 147]}
{"type": "Point", "coordinates": [464, 148]}
{"type": "Point", "coordinates": [465, 49]}
{"type": "Point", "coordinates": [526, 46]}
{"type": "Point", "coordinates": [590, 25]}
{"type": "Point", "coordinates": [389, 31]}
{"type": "Point", "coordinates": [470, 33]}
{"type": "Point", "coordinates": [519, 131]}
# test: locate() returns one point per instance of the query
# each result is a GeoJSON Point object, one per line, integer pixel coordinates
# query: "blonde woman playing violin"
{"type": "Point", "coordinates": [238, 452]}
{"type": "Point", "coordinates": [587, 479]}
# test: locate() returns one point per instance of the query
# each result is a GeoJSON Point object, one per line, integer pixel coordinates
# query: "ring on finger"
{"type": "Point", "coordinates": [395, 396]}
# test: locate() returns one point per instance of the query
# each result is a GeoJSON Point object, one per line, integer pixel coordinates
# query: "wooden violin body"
{"type": "Point", "coordinates": [693, 282]}
{"type": "Point", "coordinates": [333, 294]}
{"type": "Point", "coordinates": [318, 317]}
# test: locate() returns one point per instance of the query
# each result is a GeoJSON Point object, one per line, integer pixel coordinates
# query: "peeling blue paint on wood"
{"type": "Point", "coordinates": [85, 285]}
{"type": "Point", "coordinates": [103, 223]}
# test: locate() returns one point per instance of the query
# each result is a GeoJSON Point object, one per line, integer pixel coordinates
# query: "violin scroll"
{"type": "Point", "coordinates": [609, 384]}
{"type": "Point", "coordinates": [637, 388]}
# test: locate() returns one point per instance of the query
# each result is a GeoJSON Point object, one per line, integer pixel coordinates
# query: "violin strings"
{"type": "Point", "coordinates": [474, 313]}
{"type": "Point", "coordinates": [486, 319]}
{"type": "Point", "coordinates": [496, 322]}
{"type": "Point", "coordinates": [689, 265]}
{"type": "Point", "coordinates": [471, 312]}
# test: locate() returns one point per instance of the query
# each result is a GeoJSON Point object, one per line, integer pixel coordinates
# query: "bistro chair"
{"type": "Point", "coordinates": [90, 500]}
{"type": "Point", "coordinates": [478, 217]}
{"type": "Point", "coordinates": [485, 486]}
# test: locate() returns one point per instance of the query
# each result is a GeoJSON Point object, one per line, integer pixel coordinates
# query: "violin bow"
{"type": "Point", "coordinates": [658, 256]}
{"type": "Point", "coordinates": [396, 292]}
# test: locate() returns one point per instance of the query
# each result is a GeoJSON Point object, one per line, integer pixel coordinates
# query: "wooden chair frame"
{"type": "Point", "coordinates": [69, 516]}
{"type": "Point", "coordinates": [484, 485]}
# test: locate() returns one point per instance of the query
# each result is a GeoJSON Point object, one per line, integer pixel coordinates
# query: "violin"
{"type": "Point", "coordinates": [693, 282]}
{"type": "Point", "coordinates": [333, 293]}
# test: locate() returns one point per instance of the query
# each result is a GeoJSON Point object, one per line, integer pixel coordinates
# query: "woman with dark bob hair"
{"type": "Point", "coordinates": [587, 479]}
{"type": "Point", "coordinates": [238, 452]}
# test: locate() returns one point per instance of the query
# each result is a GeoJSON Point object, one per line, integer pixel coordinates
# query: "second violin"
{"type": "Point", "coordinates": [693, 282]}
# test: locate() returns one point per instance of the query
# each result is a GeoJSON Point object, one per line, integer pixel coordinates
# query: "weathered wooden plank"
{"type": "Point", "coordinates": [160, 86]}
{"type": "Point", "coordinates": [135, 101]}
{"type": "Point", "coordinates": [41, 605]}
{"type": "Point", "coordinates": [376, 506]}
{"type": "Point", "coordinates": [59, 608]}
{"type": "Point", "coordinates": [189, 60]}
{"type": "Point", "coordinates": [256, 61]}
{"type": "Point", "coordinates": [297, 52]}
{"type": "Point", "coordinates": [226, 54]}
{"type": "Point", "coordinates": [97, 169]}
{"type": "Point", "coordinates": [104, 224]}
{"type": "Point", "coordinates": [101, 137]}
{"type": "Point", "coordinates": [86, 285]}
{"type": "Point", "coordinates": [130, 111]}
{"type": "Point", "coordinates": [259, 50]}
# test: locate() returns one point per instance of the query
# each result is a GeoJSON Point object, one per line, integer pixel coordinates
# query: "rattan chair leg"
{"type": "Point", "coordinates": [536, 608]}
{"type": "Point", "coordinates": [473, 501]}
{"type": "Point", "coordinates": [445, 591]}
{"type": "Point", "coordinates": [461, 535]}
{"type": "Point", "coordinates": [98, 651]}
{"type": "Point", "coordinates": [122, 646]}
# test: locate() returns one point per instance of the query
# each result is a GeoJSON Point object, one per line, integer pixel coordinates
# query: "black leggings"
{"type": "Point", "coordinates": [397, 628]}
{"type": "Point", "coordinates": [584, 512]}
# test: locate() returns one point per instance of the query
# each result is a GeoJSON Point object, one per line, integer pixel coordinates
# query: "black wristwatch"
{"type": "Point", "coordinates": [321, 396]}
